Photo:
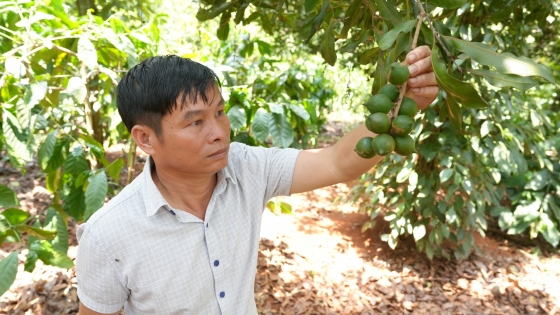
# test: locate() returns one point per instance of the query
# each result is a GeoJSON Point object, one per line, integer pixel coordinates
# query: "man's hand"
{"type": "Point", "coordinates": [422, 81]}
{"type": "Point", "coordinates": [339, 163]}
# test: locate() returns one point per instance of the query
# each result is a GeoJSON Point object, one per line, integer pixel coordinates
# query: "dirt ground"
{"type": "Point", "coordinates": [317, 261]}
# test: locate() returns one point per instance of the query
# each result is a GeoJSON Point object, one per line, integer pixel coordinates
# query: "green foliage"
{"type": "Point", "coordinates": [8, 271]}
{"type": "Point", "coordinates": [58, 99]}
{"type": "Point", "coordinates": [8, 198]}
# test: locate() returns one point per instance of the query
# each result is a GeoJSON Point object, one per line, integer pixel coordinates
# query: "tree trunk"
{"type": "Point", "coordinates": [84, 5]}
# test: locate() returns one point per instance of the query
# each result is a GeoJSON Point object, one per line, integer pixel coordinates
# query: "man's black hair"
{"type": "Point", "coordinates": [150, 89]}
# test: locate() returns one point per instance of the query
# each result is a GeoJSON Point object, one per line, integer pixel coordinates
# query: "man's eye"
{"type": "Point", "coordinates": [196, 123]}
{"type": "Point", "coordinates": [220, 113]}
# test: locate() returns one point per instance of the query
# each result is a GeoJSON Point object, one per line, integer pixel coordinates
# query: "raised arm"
{"type": "Point", "coordinates": [318, 168]}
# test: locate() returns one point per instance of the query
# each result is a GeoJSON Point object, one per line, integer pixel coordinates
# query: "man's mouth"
{"type": "Point", "coordinates": [219, 152]}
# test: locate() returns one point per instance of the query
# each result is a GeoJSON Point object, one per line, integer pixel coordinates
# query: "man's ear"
{"type": "Point", "coordinates": [145, 138]}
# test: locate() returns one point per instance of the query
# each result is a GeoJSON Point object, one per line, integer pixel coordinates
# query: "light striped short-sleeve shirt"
{"type": "Point", "coordinates": [140, 253]}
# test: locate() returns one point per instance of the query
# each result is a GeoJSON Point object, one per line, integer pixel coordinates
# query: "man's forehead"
{"type": "Point", "coordinates": [211, 96]}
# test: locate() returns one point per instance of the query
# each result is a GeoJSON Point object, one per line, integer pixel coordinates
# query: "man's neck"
{"type": "Point", "coordinates": [190, 194]}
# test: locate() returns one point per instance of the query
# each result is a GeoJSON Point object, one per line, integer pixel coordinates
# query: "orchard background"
{"type": "Point", "coordinates": [486, 158]}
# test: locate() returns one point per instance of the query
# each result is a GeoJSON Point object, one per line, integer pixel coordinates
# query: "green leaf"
{"type": "Point", "coordinates": [46, 150]}
{"type": "Point", "coordinates": [237, 117]}
{"type": "Point", "coordinates": [454, 112]}
{"type": "Point", "coordinates": [429, 251]}
{"type": "Point", "coordinates": [351, 17]}
{"type": "Point", "coordinates": [59, 154]}
{"type": "Point", "coordinates": [281, 131]}
{"type": "Point", "coordinates": [74, 203]}
{"type": "Point", "coordinates": [310, 5]}
{"type": "Point", "coordinates": [95, 193]}
{"type": "Point", "coordinates": [114, 169]}
{"type": "Point", "coordinates": [300, 111]}
{"type": "Point", "coordinates": [389, 38]}
{"type": "Point", "coordinates": [266, 24]}
{"type": "Point", "coordinates": [327, 48]}
{"type": "Point", "coordinates": [448, 4]}
{"type": "Point", "coordinates": [445, 174]}
{"type": "Point", "coordinates": [538, 180]}
{"type": "Point", "coordinates": [419, 232]}
{"type": "Point", "coordinates": [504, 80]}
{"type": "Point", "coordinates": [204, 15]}
{"type": "Point", "coordinates": [529, 212]}
{"type": "Point", "coordinates": [388, 11]}
{"type": "Point", "coordinates": [451, 216]}
{"type": "Point", "coordinates": [352, 44]}
{"type": "Point", "coordinates": [60, 242]}
{"type": "Point", "coordinates": [244, 137]}
{"type": "Point", "coordinates": [504, 62]}
{"type": "Point", "coordinates": [504, 12]}
{"type": "Point", "coordinates": [403, 174]}
{"type": "Point", "coordinates": [368, 56]}
{"type": "Point", "coordinates": [379, 76]}
{"type": "Point", "coordinates": [77, 88]}
{"type": "Point", "coordinates": [485, 128]}
{"type": "Point", "coordinates": [223, 31]}
{"type": "Point", "coordinates": [15, 216]}
{"type": "Point", "coordinates": [276, 206]}
{"type": "Point", "coordinates": [404, 41]}
{"type": "Point", "coordinates": [96, 147]}
{"type": "Point", "coordinates": [553, 206]}
{"type": "Point", "coordinates": [49, 256]}
{"type": "Point", "coordinates": [86, 52]}
{"type": "Point", "coordinates": [8, 271]}
{"type": "Point", "coordinates": [15, 142]}
{"type": "Point", "coordinates": [76, 163]}
{"type": "Point", "coordinates": [518, 228]}
{"type": "Point", "coordinates": [549, 230]}
{"type": "Point", "coordinates": [264, 47]}
{"type": "Point", "coordinates": [318, 20]}
{"type": "Point", "coordinates": [8, 197]}
{"type": "Point", "coordinates": [40, 233]}
{"type": "Point", "coordinates": [462, 92]}
{"type": "Point", "coordinates": [444, 230]}
{"type": "Point", "coordinates": [35, 93]}
{"type": "Point", "coordinates": [30, 261]}
{"type": "Point", "coordinates": [259, 127]}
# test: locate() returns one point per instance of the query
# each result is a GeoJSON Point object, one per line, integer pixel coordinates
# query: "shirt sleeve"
{"type": "Point", "coordinates": [99, 287]}
{"type": "Point", "coordinates": [274, 167]}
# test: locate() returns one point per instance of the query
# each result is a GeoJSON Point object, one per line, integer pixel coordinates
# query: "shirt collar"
{"type": "Point", "coordinates": [153, 198]}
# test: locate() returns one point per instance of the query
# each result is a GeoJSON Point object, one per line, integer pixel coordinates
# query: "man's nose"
{"type": "Point", "coordinates": [219, 130]}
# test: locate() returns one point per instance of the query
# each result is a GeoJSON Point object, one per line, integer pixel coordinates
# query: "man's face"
{"type": "Point", "coordinates": [195, 137]}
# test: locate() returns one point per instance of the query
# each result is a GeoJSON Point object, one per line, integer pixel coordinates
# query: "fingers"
{"type": "Point", "coordinates": [418, 53]}
{"type": "Point", "coordinates": [428, 92]}
{"type": "Point", "coordinates": [425, 79]}
{"type": "Point", "coordinates": [421, 66]}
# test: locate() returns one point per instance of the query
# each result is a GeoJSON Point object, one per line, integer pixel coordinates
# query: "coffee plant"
{"type": "Point", "coordinates": [58, 107]}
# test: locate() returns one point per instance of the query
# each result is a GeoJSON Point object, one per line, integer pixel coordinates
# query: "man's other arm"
{"type": "Point", "coordinates": [86, 311]}
{"type": "Point", "coordinates": [339, 163]}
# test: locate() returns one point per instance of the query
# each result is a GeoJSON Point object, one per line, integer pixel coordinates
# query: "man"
{"type": "Point", "coordinates": [183, 237]}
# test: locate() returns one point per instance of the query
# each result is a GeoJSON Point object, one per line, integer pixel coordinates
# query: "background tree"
{"type": "Point", "coordinates": [476, 161]}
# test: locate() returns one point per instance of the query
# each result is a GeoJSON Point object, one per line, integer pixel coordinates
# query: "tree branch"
{"type": "Point", "coordinates": [434, 31]}
{"type": "Point", "coordinates": [414, 43]}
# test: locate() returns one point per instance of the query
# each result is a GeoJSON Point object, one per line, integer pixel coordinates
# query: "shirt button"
{"type": "Point", "coordinates": [216, 263]}
{"type": "Point", "coordinates": [206, 224]}
{"type": "Point", "coordinates": [222, 294]}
